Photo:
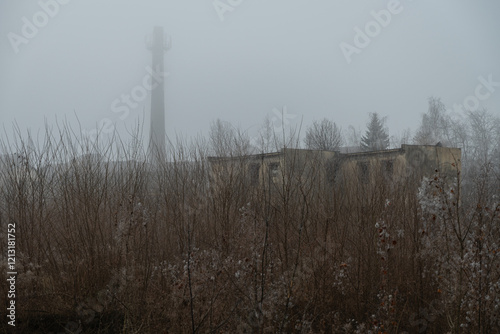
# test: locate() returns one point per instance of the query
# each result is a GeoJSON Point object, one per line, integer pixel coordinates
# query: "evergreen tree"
{"type": "Point", "coordinates": [376, 137]}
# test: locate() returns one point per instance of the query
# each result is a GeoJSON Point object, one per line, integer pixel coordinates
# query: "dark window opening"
{"type": "Point", "coordinates": [364, 171]}
{"type": "Point", "coordinates": [388, 168]}
{"type": "Point", "coordinates": [254, 170]}
{"type": "Point", "coordinates": [273, 169]}
{"type": "Point", "coordinates": [333, 171]}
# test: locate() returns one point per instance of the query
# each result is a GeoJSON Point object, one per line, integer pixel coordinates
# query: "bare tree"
{"type": "Point", "coordinates": [403, 137]}
{"type": "Point", "coordinates": [268, 140]}
{"type": "Point", "coordinates": [435, 126]}
{"type": "Point", "coordinates": [484, 134]}
{"type": "Point", "coordinates": [353, 137]}
{"type": "Point", "coordinates": [324, 135]}
{"type": "Point", "coordinates": [226, 140]}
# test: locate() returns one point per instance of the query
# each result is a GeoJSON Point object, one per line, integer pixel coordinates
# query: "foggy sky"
{"type": "Point", "coordinates": [264, 55]}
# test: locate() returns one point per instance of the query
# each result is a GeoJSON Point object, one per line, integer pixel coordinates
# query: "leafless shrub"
{"type": "Point", "coordinates": [111, 242]}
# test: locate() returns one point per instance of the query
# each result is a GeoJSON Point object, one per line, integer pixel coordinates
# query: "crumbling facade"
{"type": "Point", "coordinates": [333, 167]}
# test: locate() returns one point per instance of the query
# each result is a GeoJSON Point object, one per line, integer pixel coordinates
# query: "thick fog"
{"type": "Point", "coordinates": [242, 60]}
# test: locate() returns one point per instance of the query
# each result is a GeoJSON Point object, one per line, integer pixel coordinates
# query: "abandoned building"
{"type": "Point", "coordinates": [334, 167]}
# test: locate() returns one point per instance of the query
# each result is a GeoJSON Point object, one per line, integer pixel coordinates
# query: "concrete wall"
{"type": "Point", "coordinates": [353, 168]}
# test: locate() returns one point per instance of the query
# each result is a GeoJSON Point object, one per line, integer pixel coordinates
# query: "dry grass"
{"type": "Point", "coordinates": [122, 247]}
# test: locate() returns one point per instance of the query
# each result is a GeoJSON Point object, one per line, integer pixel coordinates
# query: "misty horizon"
{"type": "Point", "coordinates": [244, 62]}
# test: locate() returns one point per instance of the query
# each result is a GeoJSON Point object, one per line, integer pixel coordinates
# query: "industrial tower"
{"type": "Point", "coordinates": [158, 45]}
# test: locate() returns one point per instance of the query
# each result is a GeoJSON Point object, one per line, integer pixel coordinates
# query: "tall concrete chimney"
{"type": "Point", "coordinates": [158, 45]}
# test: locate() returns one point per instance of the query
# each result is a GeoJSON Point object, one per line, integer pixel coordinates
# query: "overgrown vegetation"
{"type": "Point", "coordinates": [107, 243]}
